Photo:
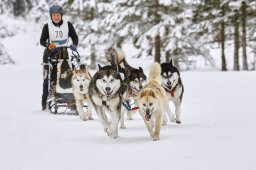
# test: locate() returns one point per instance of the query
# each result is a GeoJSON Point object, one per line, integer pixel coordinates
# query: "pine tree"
{"type": "Point", "coordinates": [87, 15]}
{"type": "Point", "coordinates": [244, 27]}
{"type": "Point", "coordinates": [213, 15]}
{"type": "Point", "coordinates": [236, 40]}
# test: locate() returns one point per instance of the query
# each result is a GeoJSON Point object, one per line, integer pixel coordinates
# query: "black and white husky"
{"type": "Point", "coordinates": [134, 79]}
{"type": "Point", "coordinates": [171, 81]}
{"type": "Point", "coordinates": [106, 90]}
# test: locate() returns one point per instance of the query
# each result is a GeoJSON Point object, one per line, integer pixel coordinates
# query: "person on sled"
{"type": "Point", "coordinates": [54, 38]}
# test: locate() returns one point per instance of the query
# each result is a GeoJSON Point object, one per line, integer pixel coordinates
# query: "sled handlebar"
{"type": "Point", "coordinates": [75, 55]}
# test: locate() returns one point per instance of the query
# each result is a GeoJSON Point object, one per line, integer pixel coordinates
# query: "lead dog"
{"type": "Point", "coordinates": [106, 91]}
{"type": "Point", "coordinates": [153, 102]}
{"type": "Point", "coordinates": [80, 84]}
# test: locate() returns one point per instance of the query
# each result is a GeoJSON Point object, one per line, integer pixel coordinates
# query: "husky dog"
{"type": "Point", "coordinates": [135, 79]}
{"type": "Point", "coordinates": [152, 101]}
{"type": "Point", "coordinates": [174, 88]}
{"type": "Point", "coordinates": [80, 84]}
{"type": "Point", "coordinates": [106, 91]}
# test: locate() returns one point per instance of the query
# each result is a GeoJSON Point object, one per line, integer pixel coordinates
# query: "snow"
{"type": "Point", "coordinates": [217, 130]}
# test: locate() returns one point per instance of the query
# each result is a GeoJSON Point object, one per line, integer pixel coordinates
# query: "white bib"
{"type": "Point", "coordinates": [58, 35]}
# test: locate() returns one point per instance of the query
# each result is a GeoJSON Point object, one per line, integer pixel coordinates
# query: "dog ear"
{"type": "Point", "coordinates": [171, 63]}
{"type": "Point", "coordinates": [85, 70]}
{"type": "Point", "coordinates": [142, 93]}
{"type": "Point", "coordinates": [141, 69]}
{"type": "Point", "coordinates": [152, 93]}
{"type": "Point", "coordinates": [82, 66]}
{"type": "Point", "coordinates": [99, 66]}
{"type": "Point", "coordinates": [75, 70]}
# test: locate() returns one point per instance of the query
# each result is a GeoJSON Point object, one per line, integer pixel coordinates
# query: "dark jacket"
{"type": "Point", "coordinates": [44, 40]}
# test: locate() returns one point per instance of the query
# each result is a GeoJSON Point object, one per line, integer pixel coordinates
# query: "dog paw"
{"type": "Point", "coordinates": [130, 118]}
{"type": "Point", "coordinates": [83, 117]}
{"type": "Point", "coordinates": [122, 127]}
{"type": "Point", "coordinates": [178, 121]}
{"type": "Point", "coordinates": [172, 119]}
{"type": "Point", "coordinates": [114, 136]}
{"type": "Point", "coordinates": [109, 131]}
{"type": "Point", "coordinates": [90, 118]}
{"type": "Point", "coordinates": [156, 138]}
{"type": "Point", "coordinates": [164, 123]}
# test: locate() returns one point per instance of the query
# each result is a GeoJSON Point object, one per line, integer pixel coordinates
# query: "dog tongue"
{"type": "Point", "coordinates": [147, 117]}
{"type": "Point", "coordinates": [108, 93]}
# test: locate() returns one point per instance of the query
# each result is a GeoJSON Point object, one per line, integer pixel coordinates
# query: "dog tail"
{"type": "Point", "coordinates": [155, 72]}
{"type": "Point", "coordinates": [114, 56]}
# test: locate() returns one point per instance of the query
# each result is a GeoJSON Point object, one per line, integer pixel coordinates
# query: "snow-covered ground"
{"type": "Point", "coordinates": [217, 130]}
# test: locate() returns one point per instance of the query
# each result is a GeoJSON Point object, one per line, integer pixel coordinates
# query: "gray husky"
{"type": "Point", "coordinates": [106, 91]}
{"type": "Point", "coordinates": [174, 88]}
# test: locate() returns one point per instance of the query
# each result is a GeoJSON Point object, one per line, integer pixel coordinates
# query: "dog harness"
{"type": "Point", "coordinates": [133, 92]}
{"type": "Point", "coordinates": [171, 91]}
{"type": "Point", "coordinates": [58, 35]}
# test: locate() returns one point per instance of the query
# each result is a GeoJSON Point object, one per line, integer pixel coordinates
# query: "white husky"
{"type": "Point", "coordinates": [80, 84]}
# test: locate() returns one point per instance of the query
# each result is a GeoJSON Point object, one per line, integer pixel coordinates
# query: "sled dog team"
{"type": "Point", "coordinates": [118, 88]}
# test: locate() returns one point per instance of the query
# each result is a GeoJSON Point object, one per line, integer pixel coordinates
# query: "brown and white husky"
{"type": "Point", "coordinates": [152, 101]}
{"type": "Point", "coordinates": [80, 84]}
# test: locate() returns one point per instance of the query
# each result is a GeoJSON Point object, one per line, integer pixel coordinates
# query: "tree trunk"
{"type": "Point", "coordinates": [222, 37]}
{"type": "Point", "coordinates": [254, 64]}
{"type": "Point", "coordinates": [29, 4]}
{"type": "Point", "coordinates": [93, 54]}
{"type": "Point", "coordinates": [167, 56]}
{"type": "Point", "coordinates": [157, 19]}
{"type": "Point", "coordinates": [93, 57]}
{"type": "Point", "coordinates": [18, 7]}
{"type": "Point", "coordinates": [243, 11]}
{"type": "Point", "coordinates": [157, 48]}
{"type": "Point", "coordinates": [175, 57]}
{"type": "Point", "coordinates": [236, 42]}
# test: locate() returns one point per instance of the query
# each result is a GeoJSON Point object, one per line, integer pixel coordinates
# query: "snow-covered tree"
{"type": "Point", "coordinates": [87, 16]}
{"type": "Point", "coordinates": [157, 28]}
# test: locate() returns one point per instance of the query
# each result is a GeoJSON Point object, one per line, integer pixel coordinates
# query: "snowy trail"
{"type": "Point", "coordinates": [217, 130]}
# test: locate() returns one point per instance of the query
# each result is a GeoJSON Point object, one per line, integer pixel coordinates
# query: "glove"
{"type": "Point", "coordinates": [73, 48]}
{"type": "Point", "coordinates": [52, 48]}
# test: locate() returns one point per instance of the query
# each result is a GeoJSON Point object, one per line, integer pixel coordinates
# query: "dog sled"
{"type": "Point", "coordinates": [60, 96]}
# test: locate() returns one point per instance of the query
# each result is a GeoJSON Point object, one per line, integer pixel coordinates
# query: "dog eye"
{"type": "Point", "coordinates": [111, 80]}
{"type": "Point", "coordinates": [77, 80]}
{"type": "Point", "coordinates": [103, 80]}
{"type": "Point", "coordinates": [144, 104]}
{"type": "Point", "coordinates": [83, 79]}
{"type": "Point", "coordinates": [150, 104]}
